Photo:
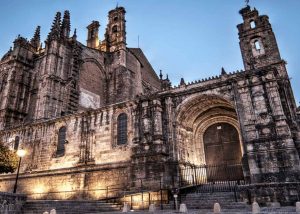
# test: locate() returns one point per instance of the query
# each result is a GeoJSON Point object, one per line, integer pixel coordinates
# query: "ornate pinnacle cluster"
{"type": "Point", "coordinates": [66, 25]}
{"type": "Point", "coordinates": [60, 29]}
{"type": "Point", "coordinates": [56, 28]}
{"type": "Point", "coordinates": [36, 40]}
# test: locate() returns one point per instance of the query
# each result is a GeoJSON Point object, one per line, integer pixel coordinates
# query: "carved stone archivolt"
{"type": "Point", "coordinates": [189, 109]}
{"type": "Point", "coordinates": [194, 116]}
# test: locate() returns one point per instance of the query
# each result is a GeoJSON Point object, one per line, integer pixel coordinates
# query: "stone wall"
{"type": "Point", "coordinates": [90, 138]}
{"type": "Point", "coordinates": [284, 193]}
{"type": "Point", "coordinates": [82, 182]}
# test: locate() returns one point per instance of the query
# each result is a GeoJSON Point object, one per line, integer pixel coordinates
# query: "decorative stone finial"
{"type": "Point", "coordinates": [36, 39]}
{"type": "Point", "coordinates": [223, 72]}
{"type": "Point", "coordinates": [66, 25]}
{"type": "Point", "coordinates": [74, 34]}
{"type": "Point", "coordinates": [160, 74]}
{"type": "Point", "coordinates": [56, 28]}
{"type": "Point", "coordinates": [182, 82]}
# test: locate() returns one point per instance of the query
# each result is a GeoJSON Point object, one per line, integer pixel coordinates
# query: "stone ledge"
{"type": "Point", "coordinates": [75, 169]}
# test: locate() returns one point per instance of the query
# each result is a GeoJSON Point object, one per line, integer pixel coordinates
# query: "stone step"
{"type": "Point", "coordinates": [69, 207]}
{"type": "Point", "coordinates": [206, 200]}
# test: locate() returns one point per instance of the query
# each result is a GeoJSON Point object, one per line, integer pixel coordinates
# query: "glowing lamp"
{"type": "Point", "coordinates": [21, 152]}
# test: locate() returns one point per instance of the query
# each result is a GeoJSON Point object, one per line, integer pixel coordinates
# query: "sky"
{"type": "Point", "coordinates": [184, 38]}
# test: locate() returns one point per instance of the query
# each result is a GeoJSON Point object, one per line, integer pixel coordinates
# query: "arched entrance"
{"type": "Point", "coordinates": [223, 153]}
{"type": "Point", "coordinates": [209, 139]}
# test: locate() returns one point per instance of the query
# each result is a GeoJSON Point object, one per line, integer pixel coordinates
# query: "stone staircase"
{"type": "Point", "coordinates": [69, 206]}
{"type": "Point", "coordinates": [206, 201]}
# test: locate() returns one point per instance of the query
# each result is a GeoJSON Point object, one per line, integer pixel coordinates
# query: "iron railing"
{"type": "Point", "coordinates": [138, 198]}
{"type": "Point", "coordinates": [211, 174]}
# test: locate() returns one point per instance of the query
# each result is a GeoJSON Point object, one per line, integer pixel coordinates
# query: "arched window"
{"type": "Point", "coordinates": [115, 19]}
{"type": "Point", "coordinates": [17, 141]}
{"type": "Point", "coordinates": [122, 129]}
{"type": "Point", "coordinates": [61, 141]}
{"type": "Point", "coordinates": [252, 24]}
{"type": "Point", "coordinates": [257, 45]}
{"type": "Point", "coordinates": [115, 29]}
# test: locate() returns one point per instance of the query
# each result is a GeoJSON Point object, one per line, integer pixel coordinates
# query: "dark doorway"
{"type": "Point", "coordinates": [223, 152]}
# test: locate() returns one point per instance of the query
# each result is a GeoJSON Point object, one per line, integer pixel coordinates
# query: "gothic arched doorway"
{"type": "Point", "coordinates": [223, 153]}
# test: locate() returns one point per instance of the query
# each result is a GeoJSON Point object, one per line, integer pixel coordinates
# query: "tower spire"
{"type": "Point", "coordinates": [36, 39]}
{"type": "Point", "coordinates": [56, 27]}
{"type": "Point", "coordinates": [66, 25]}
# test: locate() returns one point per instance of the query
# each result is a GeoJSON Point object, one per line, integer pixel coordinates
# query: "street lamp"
{"type": "Point", "coordinates": [21, 153]}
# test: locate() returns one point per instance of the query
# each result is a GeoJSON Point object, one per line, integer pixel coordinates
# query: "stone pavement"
{"type": "Point", "coordinates": [264, 210]}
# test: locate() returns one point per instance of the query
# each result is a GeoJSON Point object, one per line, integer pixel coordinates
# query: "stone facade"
{"type": "Point", "coordinates": [98, 115]}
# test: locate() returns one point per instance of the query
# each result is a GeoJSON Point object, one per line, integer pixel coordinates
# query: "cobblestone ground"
{"type": "Point", "coordinates": [285, 210]}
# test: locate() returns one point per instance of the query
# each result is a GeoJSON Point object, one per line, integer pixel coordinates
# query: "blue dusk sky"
{"type": "Point", "coordinates": [185, 38]}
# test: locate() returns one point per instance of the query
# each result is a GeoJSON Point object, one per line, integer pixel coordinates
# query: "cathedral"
{"type": "Point", "coordinates": [97, 114]}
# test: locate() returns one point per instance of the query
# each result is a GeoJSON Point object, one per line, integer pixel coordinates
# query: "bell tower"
{"type": "Point", "coordinates": [272, 100]}
{"type": "Point", "coordinates": [257, 40]}
{"type": "Point", "coordinates": [93, 38]}
{"type": "Point", "coordinates": [115, 36]}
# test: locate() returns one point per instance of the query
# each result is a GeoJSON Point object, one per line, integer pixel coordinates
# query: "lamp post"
{"type": "Point", "coordinates": [21, 153]}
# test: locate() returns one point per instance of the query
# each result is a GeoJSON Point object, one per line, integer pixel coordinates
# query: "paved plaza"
{"type": "Point", "coordinates": [264, 210]}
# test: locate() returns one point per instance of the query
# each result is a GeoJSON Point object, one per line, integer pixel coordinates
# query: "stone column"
{"type": "Point", "coordinates": [136, 129]}
{"type": "Point", "coordinates": [157, 113]}
{"type": "Point", "coordinates": [146, 123]}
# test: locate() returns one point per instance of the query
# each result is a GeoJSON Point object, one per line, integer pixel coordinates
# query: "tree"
{"type": "Point", "coordinates": [8, 159]}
